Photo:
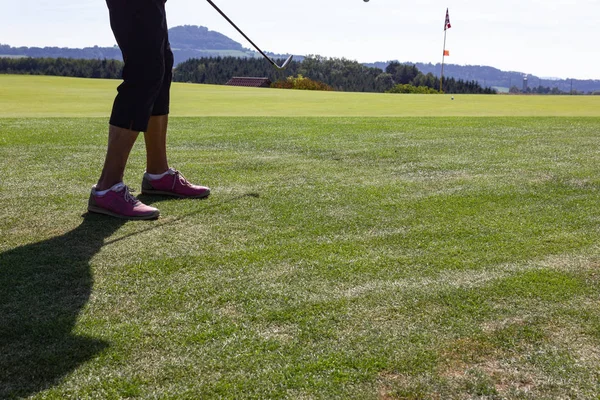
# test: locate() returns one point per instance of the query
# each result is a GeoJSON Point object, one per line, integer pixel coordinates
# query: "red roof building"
{"type": "Point", "coordinates": [249, 82]}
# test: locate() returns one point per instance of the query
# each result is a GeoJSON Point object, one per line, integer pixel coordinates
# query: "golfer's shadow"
{"type": "Point", "coordinates": [43, 288]}
{"type": "Point", "coordinates": [150, 199]}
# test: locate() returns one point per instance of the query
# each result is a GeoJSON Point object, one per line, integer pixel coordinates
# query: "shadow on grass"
{"type": "Point", "coordinates": [151, 199]}
{"type": "Point", "coordinates": [43, 288]}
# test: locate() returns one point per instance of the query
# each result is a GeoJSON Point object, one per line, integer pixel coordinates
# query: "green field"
{"type": "Point", "coordinates": [355, 246]}
{"type": "Point", "coordinates": [41, 96]}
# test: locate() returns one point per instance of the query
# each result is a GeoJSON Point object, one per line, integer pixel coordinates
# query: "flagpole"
{"type": "Point", "coordinates": [443, 58]}
{"type": "Point", "coordinates": [446, 26]}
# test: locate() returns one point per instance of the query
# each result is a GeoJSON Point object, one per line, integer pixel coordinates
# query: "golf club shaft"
{"type": "Point", "coordinates": [243, 34]}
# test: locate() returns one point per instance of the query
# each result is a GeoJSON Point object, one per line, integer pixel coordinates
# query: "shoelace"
{"type": "Point", "coordinates": [128, 196]}
{"type": "Point", "coordinates": [179, 177]}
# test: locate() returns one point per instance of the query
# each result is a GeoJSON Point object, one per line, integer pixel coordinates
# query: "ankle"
{"type": "Point", "coordinates": [155, 176]}
{"type": "Point", "coordinates": [157, 171]}
{"type": "Point", "coordinates": [104, 185]}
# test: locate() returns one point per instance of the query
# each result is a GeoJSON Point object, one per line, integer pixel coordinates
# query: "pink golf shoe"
{"type": "Point", "coordinates": [173, 184]}
{"type": "Point", "coordinates": [119, 202]}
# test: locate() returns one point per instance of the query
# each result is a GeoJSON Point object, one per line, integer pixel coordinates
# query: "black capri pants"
{"type": "Point", "coordinates": [140, 28]}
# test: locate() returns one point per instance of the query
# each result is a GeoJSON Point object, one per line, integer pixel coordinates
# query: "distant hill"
{"type": "Point", "coordinates": [500, 80]}
{"type": "Point", "coordinates": [186, 41]}
{"type": "Point", "coordinates": [200, 38]}
{"type": "Point", "coordinates": [197, 42]}
{"type": "Point", "coordinates": [89, 53]}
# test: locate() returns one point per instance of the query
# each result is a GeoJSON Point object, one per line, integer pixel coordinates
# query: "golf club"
{"type": "Point", "coordinates": [285, 63]}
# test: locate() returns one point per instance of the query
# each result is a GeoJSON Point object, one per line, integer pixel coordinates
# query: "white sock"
{"type": "Point", "coordinates": [115, 187]}
{"type": "Point", "coordinates": [155, 176]}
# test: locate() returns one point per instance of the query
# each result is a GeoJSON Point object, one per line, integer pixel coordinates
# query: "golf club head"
{"type": "Point", "coordinates": [286, 63]}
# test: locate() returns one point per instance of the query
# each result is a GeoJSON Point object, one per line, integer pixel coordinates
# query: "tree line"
{"type": "Point", "coordinates": [80, 68]}
{"type": "Point", "coordinates": [219, 70]}
{"type": "Point", "coordinates": [401, 78]}
{"type": "Point", "coordinates": [338, 74]}
{"type": "Point", "coordinates": [493, 77]}
{"type": "Point", "coordinates": [88, 53]}
{"type": "Point", "coordinates": [546, 90]}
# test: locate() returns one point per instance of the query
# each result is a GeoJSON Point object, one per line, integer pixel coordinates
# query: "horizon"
{"type": "Point", "coordinates": [551, 78]}
{"type": "Point", "coordinates": [549, 39]}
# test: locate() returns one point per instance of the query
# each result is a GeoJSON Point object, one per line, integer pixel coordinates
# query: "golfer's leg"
{"type": "Point", "coordinates": [156, 134]}
{"type": "Point", "coordinates": [156, 144]}
{"type": "Point", "coordinates": [120, 143]}
{"type": "Point", "coordinates": [140, 29]}
{"type": "Point", "coordinates": [159, 179]}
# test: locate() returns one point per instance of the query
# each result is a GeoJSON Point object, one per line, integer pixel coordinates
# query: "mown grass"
{"type": "Point", "coordinates": [47, 96]}
{"type": "Point", "coordinates": [338, 257]}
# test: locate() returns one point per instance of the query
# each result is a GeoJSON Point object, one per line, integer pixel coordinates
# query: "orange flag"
{"type": "Point", "coordinates": [446, 52]}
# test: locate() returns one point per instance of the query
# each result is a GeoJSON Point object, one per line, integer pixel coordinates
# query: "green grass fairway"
{"type": "Point", "coordinates": [42, 96]}
{"type": "Point", "coordinates": [431, 256]}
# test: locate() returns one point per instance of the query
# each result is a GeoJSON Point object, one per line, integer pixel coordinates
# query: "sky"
{"type": "Point", "coordinates": [546, 38]}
